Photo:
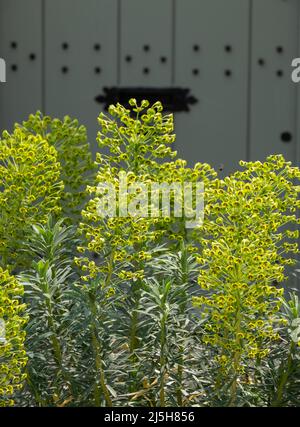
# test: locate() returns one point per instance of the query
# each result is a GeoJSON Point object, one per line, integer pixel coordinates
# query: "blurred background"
{"type": "Point", "coordinates": [222, 66]}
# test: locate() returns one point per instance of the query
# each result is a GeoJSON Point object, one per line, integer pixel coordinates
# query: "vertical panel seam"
{"type": "Point", "coordinates": [43, 57]}
{"type": "Point", "coordinates": [249, 82]}
{"type": "Point", "coordinates": [119, 24]}
{"type": "Point", "coordinates": [297, 94]}
{"type": "Point", "coordinates": [173, 62]}
{"type": "Point", "coordinates": [296, 280]}
{"type": "Point", "coordinates": [173, 35]}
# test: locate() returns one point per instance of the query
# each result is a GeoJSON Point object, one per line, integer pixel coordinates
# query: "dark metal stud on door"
{"type": "Point", "coordinates": [286, 137]}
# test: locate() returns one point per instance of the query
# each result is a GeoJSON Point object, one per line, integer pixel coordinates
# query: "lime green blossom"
{"type": "Point", "coordinates": [30, 189]}
{"type": "Point", "coordinates": [77, 167]}
{"type": "Point", "coordinates": [12, 353]}
{"type": "Point", "coordinates": [137, 140]}
{"type": "Point", "coordinates": [246, 246]}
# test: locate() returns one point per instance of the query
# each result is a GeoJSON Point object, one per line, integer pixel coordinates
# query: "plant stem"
{"type": "Point", "coordinates": [162, 360]}
{"type": "Point", "coordinates": [100, 385]}
{"type": "Point", "coordinates": [180, 378]}
{"type": "Point", "coordinates": [56, 347]}
{"type": "Point", "coordinates": [184, 280]}
{"type": "Point", "coordinates": [99, 368]}
{"type": "Point", "coordinates": [34, 390]}
{"type": "Point", "coordinates": [237, 357]}
{"type": "Point", "coordinates": [233, 388]}
{"type": "Point", "coordinates": [277, 401]}
{"type": "Point", "coordinates": [163, 342]}
{"type": "Point", "coordinates": [133, 341]}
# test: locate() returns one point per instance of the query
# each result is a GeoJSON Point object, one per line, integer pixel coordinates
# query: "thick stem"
{"type": "Point", "coordinates": [277, 401]}
{"type": "Point", "coordinates": [233, 388]}
{"type": "Point", "coordinates": [180, 379]}
{"type": "Point", "coordinates": [134, 328]}
{"type": "Point", "coordinates": [162, 361]}
{"type": "Point", "coordinates": [100, 385]}
{"type": "Point", "coordinates": [133, 340]}
{"type": "Point", "coordinates": [184, 280]}
{"type": "Point", "coordinates": [33, 389]}
{"type": "Point", "coordinates": [56, 347]}
{"type": "Point", "coordinates": [237, 357]}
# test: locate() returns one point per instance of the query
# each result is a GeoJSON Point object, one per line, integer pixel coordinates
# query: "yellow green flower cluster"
{"type": "Point", "coordinates": [77, 167]}
{"type": "Point", "coordinates": [30, 188]}
{"type": "Point", "coordinates": [12, 353]}
{"type": "Point", "coordinates": [249, 239]}
{"type": "Point", "coordinates": [135, 139]}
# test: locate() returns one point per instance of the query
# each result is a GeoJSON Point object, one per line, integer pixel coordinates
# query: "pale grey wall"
{"type": "Point", "coordinates": [234, 55]}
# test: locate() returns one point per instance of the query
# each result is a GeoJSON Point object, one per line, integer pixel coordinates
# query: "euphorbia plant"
{"type": "Point", "coordinates": [248, 226]}
{"type": "Point", "coordinates": [50, 341]}
{"type": "Point", "coordinates": [12, 354]}
{"type": "Point", "coordinates": [126, 332]}
{"type": "Point", "coordinates": [137, 141]}
{"type": "Point", "coordinates": [135, 145]}
{"type": "Point", "coordinates": [30, 190]}
{"type": "Point", "coordinates": [74, 155]}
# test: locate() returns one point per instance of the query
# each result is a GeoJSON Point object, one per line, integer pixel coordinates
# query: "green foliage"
{"type": "Point", "coordinates": [287, 384]}
{"type": "Point", "coordinates": [93, 310]}
{"type": "Point", "coordinates": [127, 323]}
{"type": "Point", "coordinates": [49, 345]}
{"type": "Point", "coordinates": [243, 262]}
{"type": "Point", "coordinates": [12, 354]}
{"type": "Point", "coordinates": [124, 244]}
{"type": "Point", "coordinates": [155, 326]}
{"type": "Point", "coordinates": [30, 190]}
{"type": "Point", "coordinates": [77, 167]}
{"type": "Point", "coordinates": [279, 376]}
